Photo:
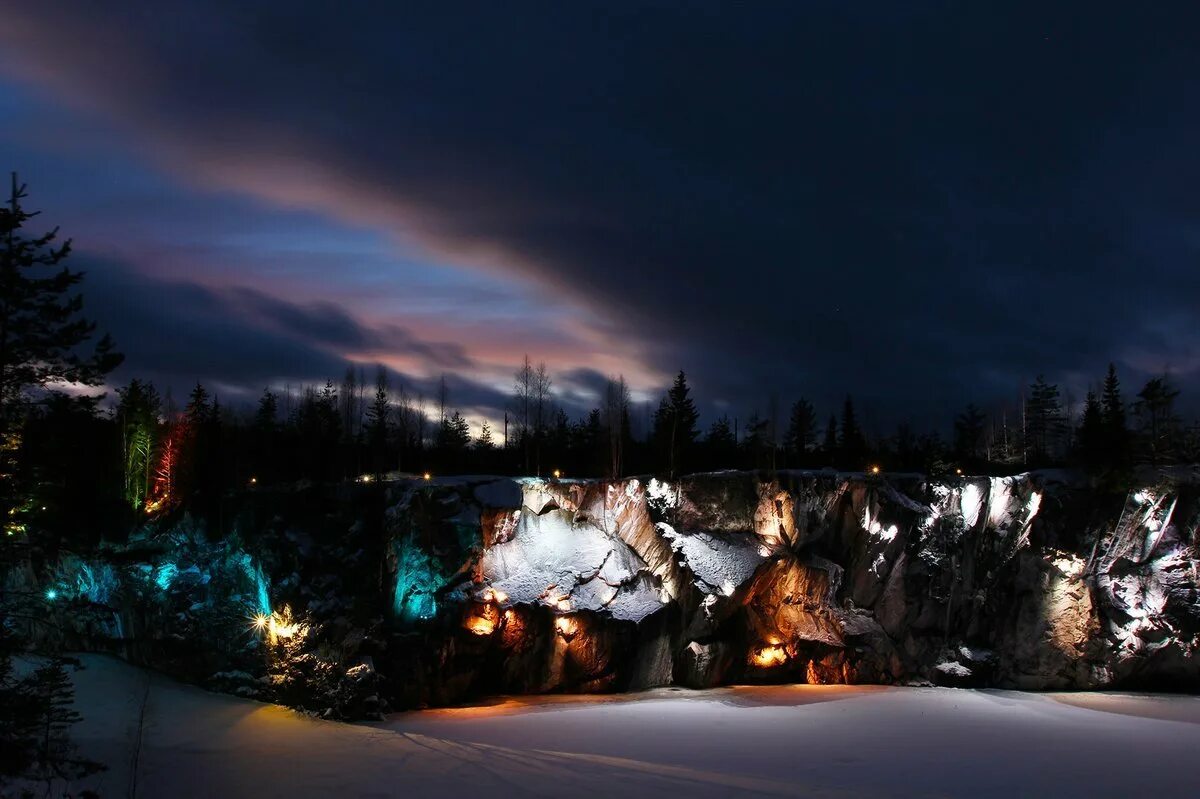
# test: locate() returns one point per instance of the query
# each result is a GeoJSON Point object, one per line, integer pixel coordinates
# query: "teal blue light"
{"type": "Point", "coordinates": [98, 583]}
{"type": "Point", "coordinates": [52, 594]}
{"type": "Point", "coordinates": [261, 593]}
{"type": "Point", "coordinates": [417, 581]}
{"type": "Point", "coordinates": [165, 575]}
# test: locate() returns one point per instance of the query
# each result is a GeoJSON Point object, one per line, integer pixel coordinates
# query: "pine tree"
{"type": "Point", "coordinates": [1045, 424]}
{"type": "Point", "coordinates": [756, 440]}
{"type": "Point", "coordinates": [454, 435]}
{"type": "Point", "coordinates": [56, 756]}
{"type": "Point", "coordinates": [318, 425]}
{"type": "Point", "coordinates": [1090, 441]}
{"type": "Point", "coordinates": [675, 423]}
{"type": "Point", "coordinates": [968, 433]}
{"type": "Point", "coordinates": [592, 441]}
{"type": "Point", "coordinates": [20, 709]}
{"type": "Point", "coordinates": [348, 404]}
{"type": "Point", "coordinates": [378, 415]}
{"type": "Point", "coordinates": [802, 429]}
{"type": "Point", "coordinates": [267, 415]}
{"type": "Point", "coordinates": [1157, 423]}
{"type": "Point", "coordinates": [264, 434]}
{"type": "Point", "coordinates": [41, 328]}
{"type": "Point", "coordinates": [485, 443]}
{"type": "Point", "coordinates": [720, 438]}
{"type": "Point", "coordinates": [137, 417]}
{"type": "Point", "coordinates": [198, 410]}
{"type": "Point", "coordinates": [904, 444]}
{"type": "Point", "coordinates": [829, 447]}
{"type": "Point", "coordinates": [616, 423]}
{"type": "Point", "coordinates": [852, 444]}
{"type": "Point", "coordinates": [1115, 440]}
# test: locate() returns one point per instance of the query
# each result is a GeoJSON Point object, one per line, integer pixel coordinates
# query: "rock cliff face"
{"type": "Point", "coordinates": [1025, 581]}
{"type": "Point", "coordinates": [349, 600]}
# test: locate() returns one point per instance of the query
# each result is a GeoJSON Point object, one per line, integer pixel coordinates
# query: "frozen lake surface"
{"type": "Point", "coordinates": [820, 741]}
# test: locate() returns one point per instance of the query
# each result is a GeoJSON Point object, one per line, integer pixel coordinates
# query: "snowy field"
{"type": "Point", "coordinates": [819, 741]}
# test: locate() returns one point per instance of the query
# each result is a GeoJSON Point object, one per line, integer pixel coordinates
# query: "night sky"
{"type": "Point", "coordinates": [923, 204]}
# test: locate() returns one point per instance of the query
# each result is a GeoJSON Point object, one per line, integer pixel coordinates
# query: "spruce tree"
{"type": "Point", "coordinates": [829, 447]}
{"type": "Point", "coordinates": [1115, 437]}
{"type": "Point", "coordinates": [266, 416]}
{"type": "Point", "coordinates": [755, 441]}
{"type": "Point", "coordinates": [20, 711]}
{"type": "Point", "coordinates": [378, 415]}
{"type": "Point", "coordinates": [1045, 424]}
{"type": "Point", "coordinates": [720, 441]}
{"type": "Point", "coordinates": [40, 323]}
{"type": "Point", "coordinates": [968, 433]}
{"type": "Point", "coordinates": [264, 434]}
{"type": "Point", "coordinates": [1090, 442]}
{"type": "Point", "coordinates": [1157, 424]}
{"type": "Point", "coordinates": [453, 436]}
{"type": "Point", "coordinates": [137, 418]}
{"type": "Point", "coordinates": [41, 329]}
{"type": "Point", "coordinates": [801, 431]}
{"type": "Point", "coordinates": [485, 442]}
{"type": "Point", "coordinates": [56, 756]}
{"type": "Point", "coordinates": [675, 424]}
{"type": "Point", "coordinates": [852, 444]}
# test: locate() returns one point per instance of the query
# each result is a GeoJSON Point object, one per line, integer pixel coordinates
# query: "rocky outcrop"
{"type": "Point", "coordinates": [1031, 581]}
{"type": "Point", "coordinates": [434, 592]}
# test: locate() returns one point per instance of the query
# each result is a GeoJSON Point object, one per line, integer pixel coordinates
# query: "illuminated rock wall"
{"type": "Point", "coordinates": [347, 600]}
{"type": "Point", "coordinates": [1030, 581]}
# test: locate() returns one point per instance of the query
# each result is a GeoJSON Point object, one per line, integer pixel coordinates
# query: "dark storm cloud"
{"type": "Point", "coordinates": [329, 325]}
{"type": "Point", "coordinates": [920, 203]}
{"type": "Point", "coordinates": [177, 333]}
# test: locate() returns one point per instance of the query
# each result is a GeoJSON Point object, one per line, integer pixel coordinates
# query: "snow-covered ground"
{"type": "Point", "coordinates": [823, 741]}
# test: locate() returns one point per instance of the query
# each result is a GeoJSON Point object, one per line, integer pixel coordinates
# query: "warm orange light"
{"type": "Point", "coordinates": [958, 471]}
{"type": "Point", "coordinates": [260, 622]}
{"type": "Point", "coordinates": [768, 656]}
{"type": "Point", "coordinates": [428, 476]}
{"type": "Point", "coordinates": [875, 469]}
{"type": "Point", "coordinates": [566, 626]}
{"type": "Point", "coordinates": [480, 625]}
{"type": "Point", "coordinates": [500, 596]}
{"type": "Point", "coordinates": [253, 480]}
{"type": "Point", "coordinates": [557, 474]}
